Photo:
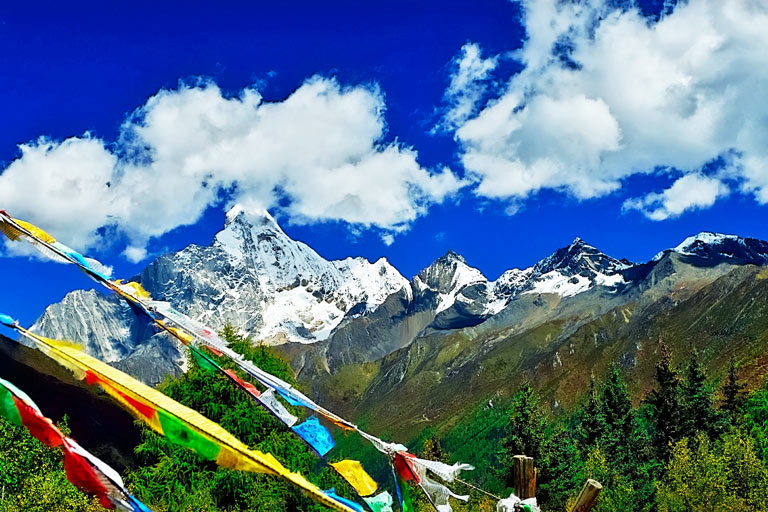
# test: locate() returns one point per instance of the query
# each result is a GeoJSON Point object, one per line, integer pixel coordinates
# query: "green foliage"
{"type": "Point", "coordinates": [664, 406]}
{"type": "Point", "coordinates": [592, 425]}
{"type": "Point", "coordinates": [524, 430]}
{"type": "Point", "coordinates": [733, 396]}
{"type": "Point", "coordinates": [561, 469]}
{"type": "Point", "coordinates": [171, 478]}
{"type": "Point", "coordinates": [619, 494]}
{"type": "Point", "coordinates": [620, 442]}
{"type": "Point", "coordinates": [32, 477]}
{"type": "Point", "coordinates": [696, 400]}
{"type": "Point", "coordinates": [724, 476]}
{"type": "Point", "coordinates": [756, 420]}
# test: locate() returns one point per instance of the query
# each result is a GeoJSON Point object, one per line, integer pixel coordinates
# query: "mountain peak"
{"type": "Point", "coordinates": [578, 257]}
{"type": "Point", "coordinates": [451, 256]}
{"type": "Point", "coordinates": [258, 218]}
{"type": "Point", "coordinates": [708, 244]}
{"type": "Point", "coordinates": [447, 275]}
{"type": "Point", "coordinates": [704, 237]}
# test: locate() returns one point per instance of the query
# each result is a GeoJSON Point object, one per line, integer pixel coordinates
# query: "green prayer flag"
{"type": "Point", "coordinates": [203, 360]}
{"type": "Point", "coordinates": [405, 496]}
{"type": "Point", "coordinates": [380, 503]}
{"type": "Point", "coordinates": [178, 433]}
{"type": "Point", "coordinates": [8, 408]}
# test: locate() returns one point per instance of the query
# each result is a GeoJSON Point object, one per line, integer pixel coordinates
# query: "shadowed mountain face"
{"type": "Point", "coordinates": [406, 354]}
{"type": "Point", "coordinates": [96, 422]}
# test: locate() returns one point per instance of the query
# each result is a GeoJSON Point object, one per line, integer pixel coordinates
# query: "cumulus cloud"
{"type": "Point", "coordinates": [319, 155]}
{"type": "Point", "coordinates": [468, 84]}
{"type": "Point", "coordinates": [608, 93]}
{"type": "Point", "coordinates": [686, 193]}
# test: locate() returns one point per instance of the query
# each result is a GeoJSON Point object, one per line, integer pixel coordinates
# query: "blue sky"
{"type": "Point", "coordinates": [600, 120]}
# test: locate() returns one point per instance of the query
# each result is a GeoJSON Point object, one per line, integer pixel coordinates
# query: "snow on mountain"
{"type": "Point", "coordinates": [447, 276]}
{"type": "Point", "coordinates": [688, 246]}
{"type": "Point", "coordinates": [575, 269]}
{"type": "Point", "coordinates": [567, 272]}
{"type": "Point", "coordinates": [717, 245]}
{"type": "Point", "coordinates": [278, 290]}
{"type": "Point", "coordinates": [253, 276]}
{"type": "Point", "coordinates": [275, 288]}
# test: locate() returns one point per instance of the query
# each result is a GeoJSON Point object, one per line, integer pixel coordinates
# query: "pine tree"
{"type": "Point", "coordinates": [733, 395]}
{"type": "Point", "coordinates": [696, 399]}
{"type": "Point", "coordinates": [620, 438]}
{"type": "Point", "coordinates": [561, 470]}
{"type": "Point", "coordinates": [524, 430]}
{"type": "Point", "coordinates": [592, 425]}
{"type": "Point", "coordinates": [665, 404]}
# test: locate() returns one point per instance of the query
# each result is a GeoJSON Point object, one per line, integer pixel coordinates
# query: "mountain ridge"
{"type": "Point", "coordinates": [351, 311]}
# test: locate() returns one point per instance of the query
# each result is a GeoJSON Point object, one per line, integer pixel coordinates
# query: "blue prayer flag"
{"type": "Point", "coordinates": [316, 435]}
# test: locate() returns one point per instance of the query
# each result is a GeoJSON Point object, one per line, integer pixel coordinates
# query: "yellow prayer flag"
{"type": "Point", "coordinates": [353, 472]}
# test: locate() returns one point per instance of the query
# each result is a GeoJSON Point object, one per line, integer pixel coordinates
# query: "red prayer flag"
{"type": "Point", "coordinates": [143, 409]}
{"type": "Point", "coordinates": [38, 425]}
{"type": "Point", "coordinates": [404, 467]}
{"type": "Point", "coordinates": [253, 390]}
{"type": "Point", "coordinates": [82, 475]}
{"type": "Point", "coordinates": [213, 350]}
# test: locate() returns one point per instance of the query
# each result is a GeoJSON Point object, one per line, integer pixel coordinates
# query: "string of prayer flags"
{"type": "Point", "coordinates": [84, 470]}
{"type": "Point", "coordinates": [177, 423]}
{"type": "Point", "coordinates": [193, 334]}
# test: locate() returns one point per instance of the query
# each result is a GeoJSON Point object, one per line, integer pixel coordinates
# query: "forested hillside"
{"type": "Point", "coordinates": [692, 444]}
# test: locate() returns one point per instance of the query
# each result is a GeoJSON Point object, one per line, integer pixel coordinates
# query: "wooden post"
{"type": "Point", "coordinates": [588, 496]}
{"type": "Point", "coordinates": [524, 477]}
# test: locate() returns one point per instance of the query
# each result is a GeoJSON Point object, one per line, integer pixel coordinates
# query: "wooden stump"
{"type": "Point", "coordinates": [588, 496]}
{"type": "Point", "coordinates": [524, 477]}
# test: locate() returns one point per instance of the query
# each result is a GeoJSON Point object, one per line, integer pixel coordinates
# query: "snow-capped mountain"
{"type": "Point", "coordinates": [278, 290]}
{"type": "Point", "coordinates": [575, 269]}
{"type": "Point", "coordinates": [716, 245]}
{"type": "Point", "coordinates": [567, 272]}
{"type": "Point", "coordinates": [270, 286]}
{"type": "Point", "coordinates": [447, 276]}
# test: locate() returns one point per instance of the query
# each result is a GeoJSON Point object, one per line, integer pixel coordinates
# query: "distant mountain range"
{"type": "Point", "coordinates": [369, 341]}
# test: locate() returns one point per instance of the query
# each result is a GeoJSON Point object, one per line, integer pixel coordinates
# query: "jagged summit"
{"type": "Point", "coordinates": [441, 273]}
{"type": "Point", "coordinates": [579, 258]}
{"type": "Point", "coordinates": [450, 256]}
{"type": "Point", "coordinates": [256, 218]}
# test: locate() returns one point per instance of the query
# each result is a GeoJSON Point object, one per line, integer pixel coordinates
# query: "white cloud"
{"type": "Point", "coordinates": [135, 254]}
{"type": "Point", "coordinates": [606, 94]}
{"type": "Point", "coordinates": [65, 186]}
{"type": "Point", "coordinates": [688, 192]}
{"type": "Point", "coordinates": [468, 84]}
{"type": "Point", "coordinates": [321, 149]}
